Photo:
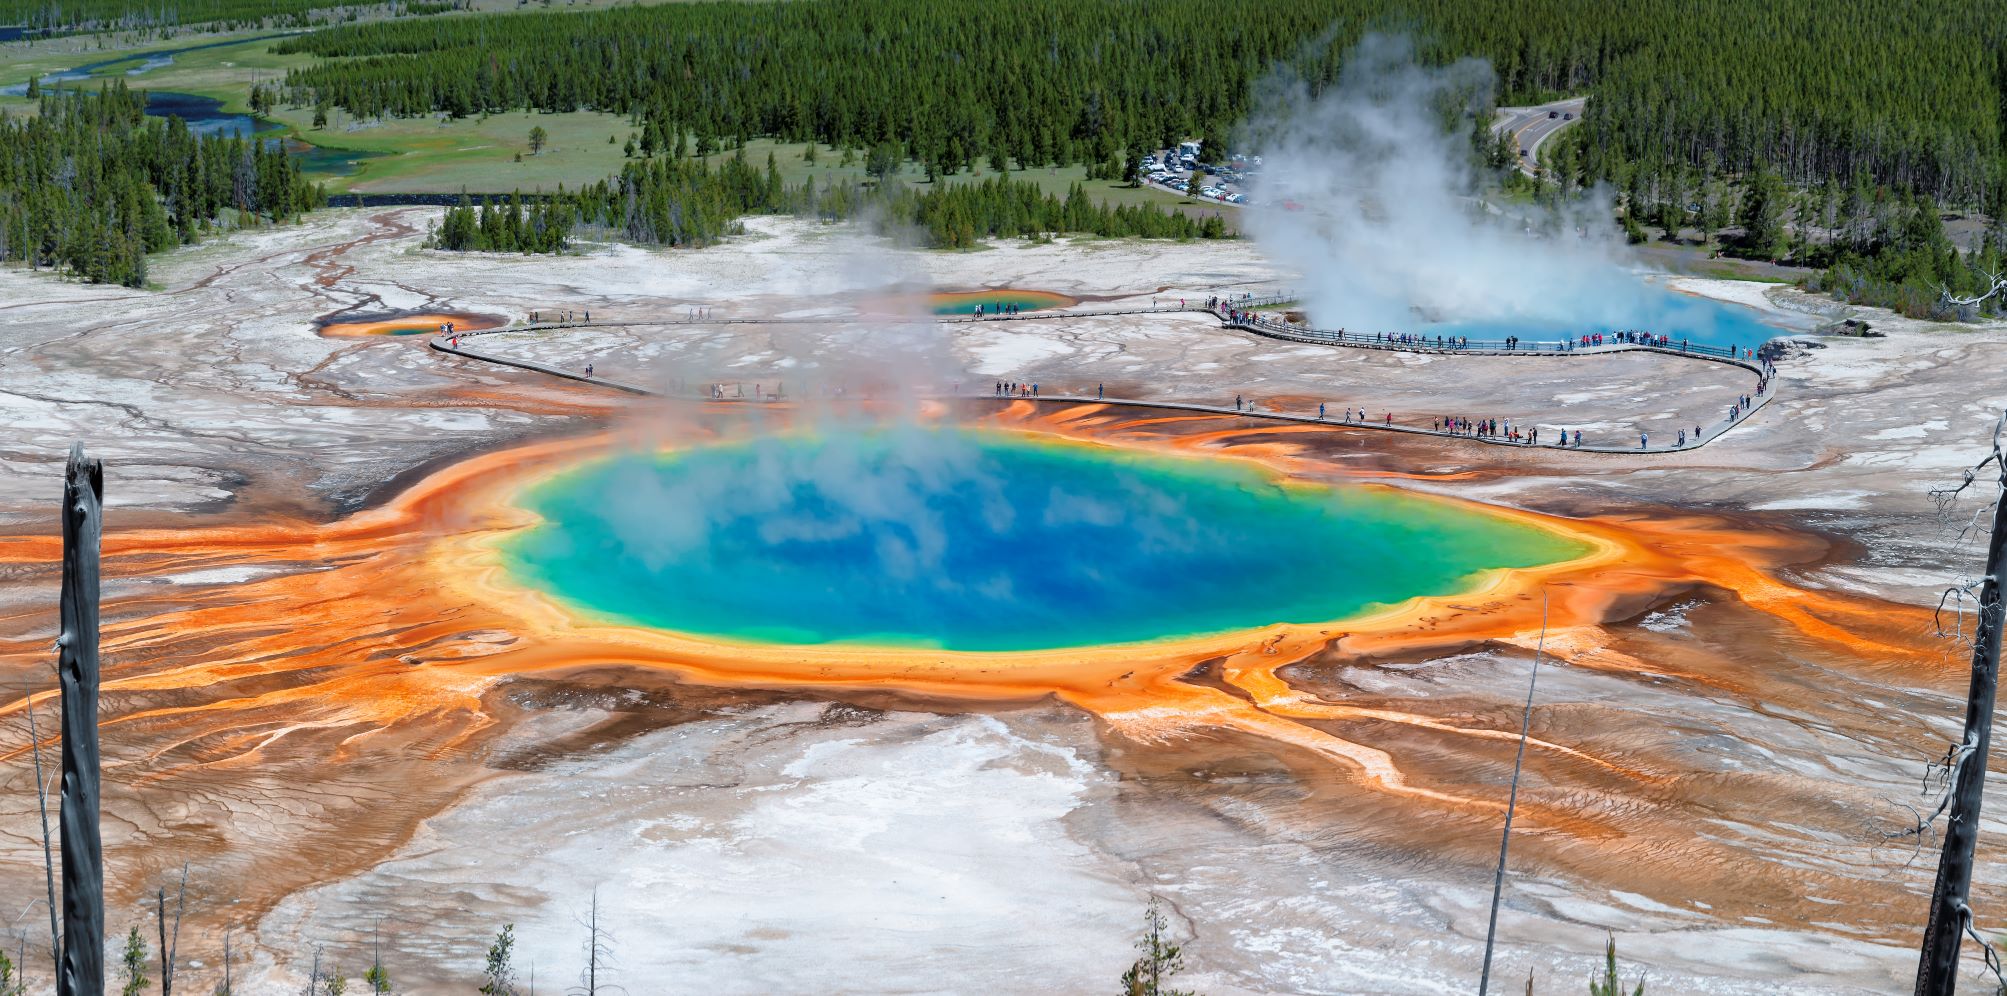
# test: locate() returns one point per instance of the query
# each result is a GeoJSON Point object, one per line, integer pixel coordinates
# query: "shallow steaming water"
{"type": "Point", "coordinates": [1699, 320]}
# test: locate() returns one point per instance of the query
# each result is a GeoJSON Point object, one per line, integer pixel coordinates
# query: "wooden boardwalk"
{"type": "Point", "coordinates": [1254, 325]}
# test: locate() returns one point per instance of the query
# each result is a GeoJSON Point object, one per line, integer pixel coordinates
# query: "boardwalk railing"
{"type": "Point", "coordinates": [1241, 313]}
{"type": "Point", "coordinates": [1708, 434]}
{"type": "Point", "coordinates": [1237, 313]}
{"type": "Point", "coordinates": [1458, 345]}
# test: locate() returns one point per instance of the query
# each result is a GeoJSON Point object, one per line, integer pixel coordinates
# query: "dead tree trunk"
{"type": "Point", "coordinates": [82, 972]}
{"type": "Point", "coordinates": [1512, 802]}
{"type": "Point", "coordinates": [170, 942]}
{"type": "Point", "coordinates": [1950, 914]}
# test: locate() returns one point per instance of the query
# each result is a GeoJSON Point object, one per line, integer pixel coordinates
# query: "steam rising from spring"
{"type": "Point", "coordinates": [857, 386]}
{"type": "Point", "coordinates": [1368, 189]}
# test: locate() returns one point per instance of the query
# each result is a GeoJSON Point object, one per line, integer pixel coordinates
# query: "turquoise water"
{"type": "Point", "coordinates": [986, 541]}
{"type": "Point", "coordinates": [325, 161]}
{"type": "Point", "coordinates": [1700, 320]}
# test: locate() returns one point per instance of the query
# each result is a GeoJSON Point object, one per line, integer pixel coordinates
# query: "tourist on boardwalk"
{"type": "Point", "coordinates": [1098, 393]}
{"type": "Point", "coordinates": [1320, 411]}
{"type": "Point", "coordinates": [1642, 440]}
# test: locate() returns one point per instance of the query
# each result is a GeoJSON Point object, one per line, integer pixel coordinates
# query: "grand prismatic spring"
{"type": "Point", "coordinates": [792, 567]}
{"type": "Point", "coordinates": [989, 542]}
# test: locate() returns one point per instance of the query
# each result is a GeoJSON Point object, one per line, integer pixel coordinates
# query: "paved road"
{"type": "Point", "coordinates": [1531, 126]}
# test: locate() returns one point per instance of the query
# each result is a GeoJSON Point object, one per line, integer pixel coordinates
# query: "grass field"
{"type": "Point", "coordinates": [436, 155]}
{"type": "Point", "coordinates": [429, 155]}
{"type": "Point", "coordinates": [225, 73]}
{"type": "Point", "coordinates": [828, 168]}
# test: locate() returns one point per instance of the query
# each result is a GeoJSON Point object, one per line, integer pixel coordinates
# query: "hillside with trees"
{"type": "Point", "coordinates": [684, 202]}
{"type": "Point", "coordinates": [91, 185]}
{"type": "Point", "coordinates": [1905, 92]}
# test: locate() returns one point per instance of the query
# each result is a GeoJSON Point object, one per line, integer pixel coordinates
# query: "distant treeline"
{"type": "Point", "coordinates": [153, 15]}
{"type": "Point", "coordinates": [1907, 92]}
{"type": "Point", "coordinates": [542, 225]}
{"type": "Point", "coordinates": [91, 184]}
{"type": "Point", "coordinates": [680, 202]}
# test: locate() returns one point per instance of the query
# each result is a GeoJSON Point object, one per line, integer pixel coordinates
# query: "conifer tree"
{"type": "Point", "coordinates": [1160, 960]}
{"type": "Point", "coordinates": [132, 965]}
{"type": "Point", "coordinates": [498, 975]}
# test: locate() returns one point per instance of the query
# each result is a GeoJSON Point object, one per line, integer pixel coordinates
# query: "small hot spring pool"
{"type": "Point", "coordinates": [994, 301]}
{"type": "Point", "coordinates": [985, 541]}
{"type": "Point", "coordinates": [1660, 310]}
{"type": "Point", "coordinates": [406, 323]}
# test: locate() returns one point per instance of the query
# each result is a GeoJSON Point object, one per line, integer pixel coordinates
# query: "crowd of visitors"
{"type": "Point", "coordinates": [1492, 429]}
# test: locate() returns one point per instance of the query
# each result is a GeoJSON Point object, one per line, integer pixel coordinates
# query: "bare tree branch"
{"type": "Point", "coordinates": [1958, 779]}
{"type": "Point", "coordinates": [1996, 284]}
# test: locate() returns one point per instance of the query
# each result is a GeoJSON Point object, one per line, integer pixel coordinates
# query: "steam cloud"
{"type": "Point", "coordinates": [1366, 191]}
{"type": "Point", "coordinates": [878, 478]}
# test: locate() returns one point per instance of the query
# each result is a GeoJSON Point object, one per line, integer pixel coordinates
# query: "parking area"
{"type": "Point", "coordinates": [1222, 182]}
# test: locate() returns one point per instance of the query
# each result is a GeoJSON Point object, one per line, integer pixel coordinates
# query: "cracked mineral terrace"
{"type": "Point", "coordinates": [313, 699]}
